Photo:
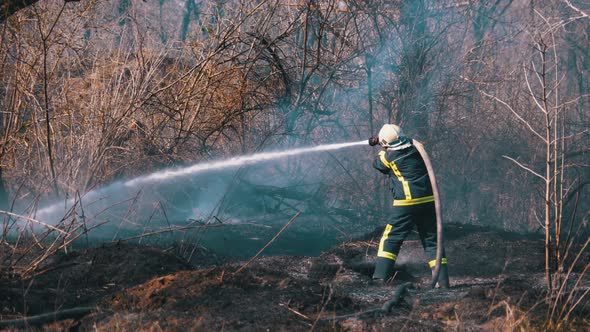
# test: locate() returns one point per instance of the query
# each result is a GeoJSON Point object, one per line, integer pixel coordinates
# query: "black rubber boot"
{"type": "Point", "coordinates": [443, 277]}
{"type": "Point", "coordinates": [378, 282]}
{"type": "Point", "coordinates": [383, 270]}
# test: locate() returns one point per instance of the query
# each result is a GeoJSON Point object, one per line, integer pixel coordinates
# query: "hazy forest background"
{"type": "Point", "coordinates": [92, 92]}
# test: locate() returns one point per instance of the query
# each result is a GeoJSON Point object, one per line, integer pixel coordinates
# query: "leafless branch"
{"type": "Point", "coordinates": [515, 113]}
{"type": "Point", "coordinates": [525, 167]}
{"type": "Point", "coordinates": [29, 219]}
{"type": "Point", "coordinates": [576, 9]}
{"type": "Point", "coordinates": [526, 77]}
{"type": "Point", "coordinates": [267, 244]}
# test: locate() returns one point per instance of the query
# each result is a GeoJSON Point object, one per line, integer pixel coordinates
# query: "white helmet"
{"type": "Point", "coordinates": [390, 133]}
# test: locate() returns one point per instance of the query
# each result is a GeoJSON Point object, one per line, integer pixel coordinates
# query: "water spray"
{"type": "Point", "coordinates": [233, 162]}
{"type": "Point", "coordinates": [53, 211]}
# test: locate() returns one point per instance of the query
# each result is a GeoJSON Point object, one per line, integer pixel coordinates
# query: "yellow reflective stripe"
{"type": "Point", "coordinates": [383, 159]}
{"type": "Point", "coordinates": [401, 179]}
{"type": "Point", "coordinates": [413, 201]}
{"type": "Point", "coordinates": [384, 238]}
{"type": "Point", "coordinates": [432, 263]}
{"type": "Point", "coordinates": [407, 191]}
{"type": "Point", "coordinates": [397, 174]}
{"type": "Point", "coordinates": [385, 254]}
{"type": "Point", "coordinates": [382, 252]}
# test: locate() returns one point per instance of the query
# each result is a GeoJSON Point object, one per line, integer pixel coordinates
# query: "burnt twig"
{"type": "Point", "coordinates": [37, 320]}
{"type": "Point", "coordinates": [269, 242]}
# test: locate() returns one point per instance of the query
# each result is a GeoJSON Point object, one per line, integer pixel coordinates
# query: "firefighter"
{"type": "Point", "coordinates": [413, 203]}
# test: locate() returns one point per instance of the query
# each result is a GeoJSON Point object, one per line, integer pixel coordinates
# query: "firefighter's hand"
{"type": "Point", "coordinates": [373, 141]}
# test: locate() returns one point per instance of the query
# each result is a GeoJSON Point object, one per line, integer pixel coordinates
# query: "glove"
{"type": "Point", "coordinates": [373, 141]}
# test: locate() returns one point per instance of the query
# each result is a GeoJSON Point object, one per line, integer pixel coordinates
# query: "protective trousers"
{"type": "Point", "coordinates": [402, 222]}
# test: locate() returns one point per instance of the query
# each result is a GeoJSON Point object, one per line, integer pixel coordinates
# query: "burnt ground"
{"type": "Point", "coordinates": [496, 277]}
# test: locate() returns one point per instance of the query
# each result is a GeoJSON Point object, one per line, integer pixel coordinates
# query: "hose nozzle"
{"type": "Point", "coordinates": [373, 141]}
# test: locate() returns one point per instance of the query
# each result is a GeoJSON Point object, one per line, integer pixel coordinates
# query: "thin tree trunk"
{"type": "Point", "coordinates": [380, 198]}
{"type": "Point", "coordinates": [47, 121]}
{"type": "Point", "coordinates": [548, 147]}
{"type": "Point", "coordinates": [370, 94]}
{"type": "Point", "coordinates": [4, 204]}
{"type": "Point", "coordinates": [547, 202]}
{"type": "Point", "coordinates": [44, 38]}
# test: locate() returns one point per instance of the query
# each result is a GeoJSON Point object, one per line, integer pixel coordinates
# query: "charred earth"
{"type": "Point", "coordinates": [496, 278]}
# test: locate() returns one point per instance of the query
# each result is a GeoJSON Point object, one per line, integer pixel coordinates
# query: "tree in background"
{"type": "Point", "coordinates": [549, 110]}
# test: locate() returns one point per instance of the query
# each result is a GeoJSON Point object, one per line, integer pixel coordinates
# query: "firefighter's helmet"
{"type": "Point", "coordinates": [390, 133]}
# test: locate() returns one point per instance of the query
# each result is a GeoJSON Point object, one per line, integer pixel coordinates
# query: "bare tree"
{"type": "Point", "coordinates": [551, 125]}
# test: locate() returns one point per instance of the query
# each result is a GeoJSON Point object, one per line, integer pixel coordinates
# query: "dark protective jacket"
{"type": "Point", "coordinates": [410, 180]}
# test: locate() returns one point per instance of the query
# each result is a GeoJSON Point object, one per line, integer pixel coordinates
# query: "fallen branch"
{"type": "Point", "coordinates": [73, 313]}
{"type": "Point", "coordinates": [166, 230]}
{"type": "Point", "coordinates": [269, 242]}
{"type": "Point", "coordinates": [18, 216]}
{"type": "Point", "coordinates": [323, 307]}
{"type": "Point", "coordinates": [66, 241]}
{"type": "Point", "coordinates": [286, 306]}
